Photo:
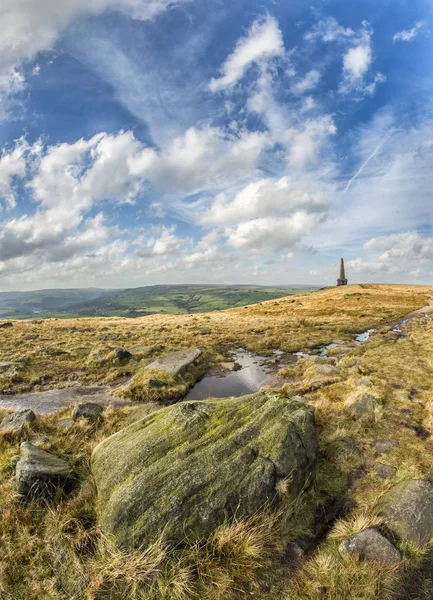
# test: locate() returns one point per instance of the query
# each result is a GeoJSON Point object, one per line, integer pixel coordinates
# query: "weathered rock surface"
{"type": "Point", "coordinates": [39, 473]}
{"type": "Point", "coordinates": [327, 370]}
{"type": "Point", "coordinates": [384, 446]}
{"type": "Point", "coordinates": [175, 363]}
{"type": "Point", "coordinates": [187, 468]}
{"type": "Point", "coordinates": [363, 409]}
{"type": "Point", "coordinates": [371, 546]}
{"type": "Point", "coordinates": [17, 421]}
{"type": "Point", "coordinates": [407, 511]}
{"type": "Point", "coordinates": [65, 423]}
{"type": "Point", "coordinates": [89, 410]}
{"type": "Point", "coordinates": [384, 471]}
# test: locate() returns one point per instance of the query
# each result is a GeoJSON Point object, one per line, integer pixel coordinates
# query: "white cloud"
{"type": "Point", "coordinates": [164, 244]}
{"type": "Point", "coordinates": [329, 30]}
{"type": "Point", "coordinates": [276, 197]}
{"type": "Point", "coordinates": [200, 158]}
{"type": "Point", "coordinates": [263, 41]}
{"type": "Point", "coordinates": [401, 253]}
{"type": "Point", "coordinates": [272, 234]}
{"type": "Point", "coordinates": [30, 27]}
{"type": "Point", "coordinates": [207, 251]}
{"type": "Point", "coordinates": [309, 82]}
{"type": "Point", "coordinates": [306, 143]}
{"type": "Point", "coordinates": [407, 35]}
{"type": "Point", "coordinates": [12, 167]}
{"type": "Point", "coordinates": [357, 61]}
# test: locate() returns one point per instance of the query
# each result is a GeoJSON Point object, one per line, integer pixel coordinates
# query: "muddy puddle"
{"type": "Point", "coordinates": [254, 373]}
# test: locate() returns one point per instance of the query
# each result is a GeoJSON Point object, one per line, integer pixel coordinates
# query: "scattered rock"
{"type": "Point", "coordinates": [175, 363]}
{"type": "Point", "coordinates": [226, 457]}
{"type": "Point", "coordinates": [327, 370]}
{"type": "Point", "coordinates": [371, 546]}
{"type": "Point", "coordinates": [363, 409]}
{"type": "Point", "coordinates": [384, 446]}
{"type": "Point", "coordinates": [5, 325]}
{"type": "Point", "coordinates": [65, 423]}
{"type": "Point", "coordinates": [40, 473]}
{"type": "Point", "coordinates": [122, 355]}
{"type": "Point", "coordinates": [18, 422]}
{"type": "Point", "coordinates": [384, 471]}
{"type": "Point", "coordinates": [228, 366]}
{"type": "Point", "coordinates": [89, 410]}
{"type": "Point", "coordinates": [293, 553]}
{"type": "Point", "coordinates": [363, 381]}
{"type": "Point", "coordinates": [407, 511]}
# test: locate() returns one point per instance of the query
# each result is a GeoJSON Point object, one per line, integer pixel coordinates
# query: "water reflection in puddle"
{"type": "Point", "coordinates": [253, 375]}
{"type": "Point", "coordinates": [363, 337]}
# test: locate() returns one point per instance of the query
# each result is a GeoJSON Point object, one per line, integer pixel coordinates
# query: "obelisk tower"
{"type": "Point", "coordinates": [342, 279]}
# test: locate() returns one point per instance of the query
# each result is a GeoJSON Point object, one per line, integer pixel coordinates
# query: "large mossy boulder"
{"type": "Point", "coordinates": [407, 511]}
{"type": "Point", "coordinates": [186, 469]}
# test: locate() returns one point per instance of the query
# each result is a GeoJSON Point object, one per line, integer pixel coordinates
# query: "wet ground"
{"type": "Point", "coordinates": [52, 401]}
{"type": "Point", "coordinates": [254, 373]}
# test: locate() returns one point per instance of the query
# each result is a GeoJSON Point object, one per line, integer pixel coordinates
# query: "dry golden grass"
{"type": "Point", "coordinates": [56, 551]}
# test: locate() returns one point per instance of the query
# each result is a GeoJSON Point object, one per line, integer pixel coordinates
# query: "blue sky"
{"type": "Point", "coordinates": [163, 141]}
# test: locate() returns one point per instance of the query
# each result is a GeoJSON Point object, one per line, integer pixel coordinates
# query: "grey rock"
{"type": "Point", "coordinates": [90, 411]}
{"type": "Point", "coordinates": [122, 355]}
{"type": "Point", "coordinates": [39, 473]}
{"type": "Point", "coordinates": [65, 423]}
{"type": "Point", "coordinates": [327, 370]}
{"type": "Point", "coordinates": [18, 421]}
{"type": "Point", "coordinates": [384, 446]}
{"type": "Point", "coordinates": [187, 468]}
{"type": "Point", "coordinates": [363, 409]}
{"type": "Point", "coordinates": [175, 363]}
{"type": "Point", "coordinates": [384, 471]}
{"type": "Point", "coordinates": [371, 546]}
{"type": "Point", "coordinates": [293, 553]}
{"type": "Point", "coordinates": [407, 511]}
{"type": "Point", "coordinates": [363, 381]}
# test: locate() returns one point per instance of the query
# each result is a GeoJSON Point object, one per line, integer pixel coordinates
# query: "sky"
{"type": "Point", "coordinates": [215, 141]}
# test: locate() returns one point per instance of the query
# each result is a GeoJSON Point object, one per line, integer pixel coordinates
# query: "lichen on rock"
{"type": "Point", "coordinates": [188, 468]}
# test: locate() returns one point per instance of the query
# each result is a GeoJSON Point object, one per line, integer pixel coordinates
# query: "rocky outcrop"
{"type": "Point", "coordinates": [40, 473]}
{"type": "Point", "coordinates": [185, 469]}
{"type": "Point", "coordinates": [384, 471]}
{"type": "Point", "coordinates": [407, 511]}
{"type": "Point", "coordinates": [89, 411]}
{"type": "Point", "coordinates": [175, 363]}
{"type": "Point", "coordinates": [371, 546]}
{"type": "Point", "coordinates": [17, 422]}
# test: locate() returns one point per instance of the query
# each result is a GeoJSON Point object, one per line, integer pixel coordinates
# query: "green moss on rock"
{"type": "Point", "coordinates": [187, 468]}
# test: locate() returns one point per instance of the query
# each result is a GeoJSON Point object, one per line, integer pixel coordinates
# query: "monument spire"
{"type": "Point", "coordinates": [342, 279]}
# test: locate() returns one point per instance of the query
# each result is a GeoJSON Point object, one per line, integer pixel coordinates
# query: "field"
{"type": "Point", "coordinates": [57, 550]}
{"type": "Point", "coordinates": [135, 302]}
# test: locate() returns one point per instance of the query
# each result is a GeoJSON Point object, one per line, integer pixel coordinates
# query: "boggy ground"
{"type": "Point", "coordinates": [56, 550]}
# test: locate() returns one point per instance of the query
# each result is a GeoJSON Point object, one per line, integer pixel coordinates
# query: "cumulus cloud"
{"type": "Point", "coordinates": [270, 233]}
{"type": "Point", "coordinates": [329, 30]}
{"type": "Point", "coordinates": [278, 197]}
{"type": "Point", "coordinates": [13, 166]}
{"type": "Point", "coordinates": [407, 35]}
{"type": "Point", "coordinates": [30, 27]}
{"type": "Point", "coordinates": [404, 253]}
{"type": "Point", "coordinates": [263, 41]}
{"type": "Point", "coordinates": [165, 243]}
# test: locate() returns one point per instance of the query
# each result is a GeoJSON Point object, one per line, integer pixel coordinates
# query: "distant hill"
{"type": "Point", "coordinates": [136, 302]}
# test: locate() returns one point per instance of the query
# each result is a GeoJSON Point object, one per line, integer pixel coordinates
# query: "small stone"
{"type": "Point", "coordinates": [371, 546]}
{"type": "Point", "coordinates": [90, 411]}
{"type": "Point", "coordinates": [384, 471]}
{"type": "Point", "coordinates": [293, 553]}
{"type": "Point", "coordinates": [5, 325]}
{"type": "Point", "coordinates": [65, 423]}
{"type": "Point", "coordinates": [363, 409]}
{"type": "Point", "coordinates": [384, 446]}
{"type": "Point", "coordinates": [407, 511]}
{"type": "Point", "coordinates": [363, 381]}
{"type": "Point", "coordinates": [122, 355]}
{"type": "Point", "coordinates": [18, 421]}
{"type": "Point", "coordinates": [40, 473]}
{"type": "Point", "coordinates": [228, 366]}
{"type": "Point", "coordinates": [327, 370]}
